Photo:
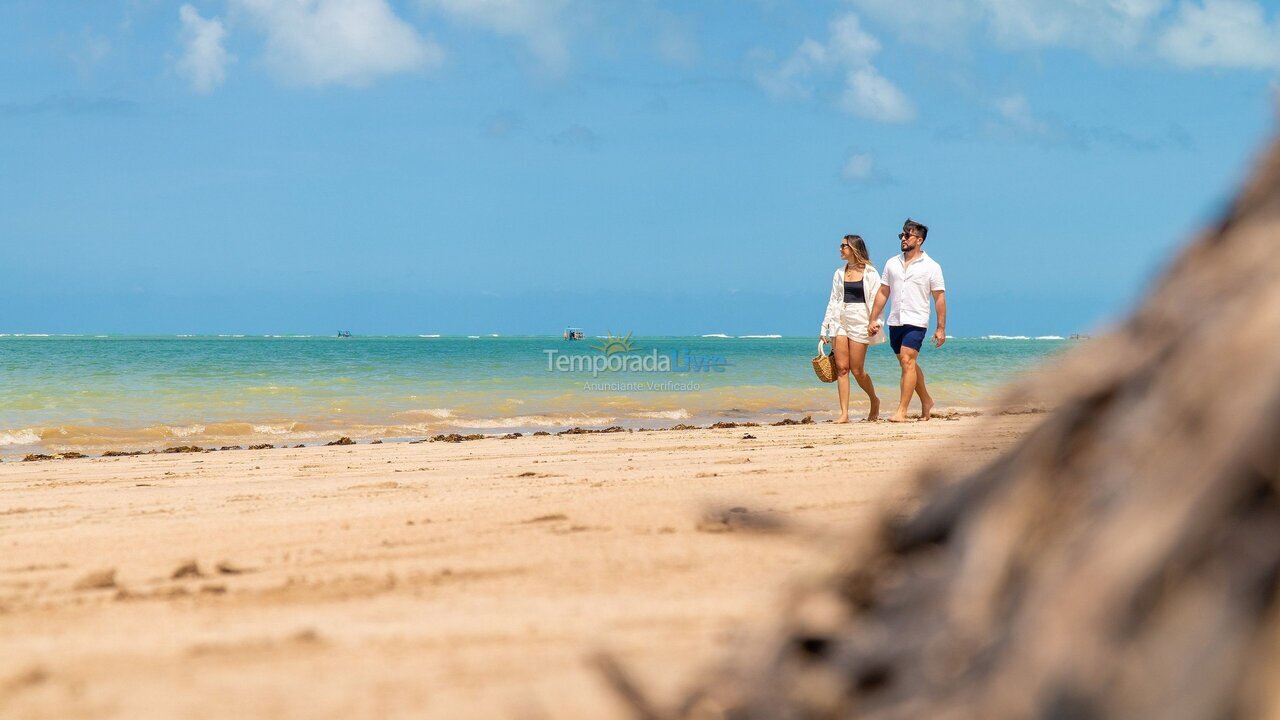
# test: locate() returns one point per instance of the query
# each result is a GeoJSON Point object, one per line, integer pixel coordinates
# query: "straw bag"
{"type": "Point", "coordinates": [824, 365]}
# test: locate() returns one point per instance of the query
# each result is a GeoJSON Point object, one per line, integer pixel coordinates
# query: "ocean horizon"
{"type": "Point", "coordinates": [91, 393]}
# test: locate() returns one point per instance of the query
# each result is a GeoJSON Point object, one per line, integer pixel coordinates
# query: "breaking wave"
{"type": "Point", "coordinates": [275, 429]}
{"type": "Point", "coordinates": [428, 413]}
{"type": "Point", "coordinates": [26, 436]}
{"type": "Point", "coordinates": [679, 414]}
{"type": "Point", "coordinates": [532, 421]}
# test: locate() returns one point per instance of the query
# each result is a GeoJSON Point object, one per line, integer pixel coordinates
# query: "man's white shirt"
{"type": "Point", "coordinates": [910, 289]}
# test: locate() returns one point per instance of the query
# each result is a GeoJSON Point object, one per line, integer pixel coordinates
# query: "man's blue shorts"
{"type": "Point", "coordinates": [910, 335]}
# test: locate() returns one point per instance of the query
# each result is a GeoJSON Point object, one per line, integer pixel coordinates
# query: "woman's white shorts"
{"type": "Point", "coordinates": [853, 323]}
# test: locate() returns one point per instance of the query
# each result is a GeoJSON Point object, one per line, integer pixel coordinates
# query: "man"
{"type": "Point", "coordinates": [911, 278]}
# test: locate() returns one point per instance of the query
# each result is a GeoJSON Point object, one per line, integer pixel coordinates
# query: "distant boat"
{"type": "Point", "coordinates": [574, 334]}
{"type": "Point", "coordinates": [344, 333]}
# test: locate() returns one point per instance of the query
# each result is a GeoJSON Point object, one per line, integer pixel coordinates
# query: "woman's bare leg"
{"type": "Point", "coordinates": [841, 344]}
{"type": "Point", "coordinates": [857, 361]}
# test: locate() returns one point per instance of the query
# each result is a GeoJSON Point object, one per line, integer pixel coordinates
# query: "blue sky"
{"type": "Point", "coordinates": [456, 166]}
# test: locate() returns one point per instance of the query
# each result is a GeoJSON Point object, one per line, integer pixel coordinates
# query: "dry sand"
{"type": "Point", "coordinates": [431, 580]}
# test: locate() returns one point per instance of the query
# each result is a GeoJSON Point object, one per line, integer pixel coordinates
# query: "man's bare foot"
{"type": "Point", "coordinates": [899, 417]}
{"type": "Point", "coordinates": [874, 415]}
{"type": "Point", "coordinates": [926, 409]}
{"type": "Point", "coordinates": [842, 420]}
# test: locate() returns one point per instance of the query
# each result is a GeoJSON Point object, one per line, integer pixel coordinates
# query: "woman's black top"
{"type": "Point", "coordinates": [853, 292]}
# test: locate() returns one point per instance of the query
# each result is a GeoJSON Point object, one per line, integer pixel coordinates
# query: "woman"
{"type": "Point", "coordinates": [853, 291]}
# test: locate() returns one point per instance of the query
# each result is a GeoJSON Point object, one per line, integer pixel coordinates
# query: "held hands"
{"type": "Point", "coordinates": [873, 328]}
{"type": "Point", "coordinates": [939, 337]}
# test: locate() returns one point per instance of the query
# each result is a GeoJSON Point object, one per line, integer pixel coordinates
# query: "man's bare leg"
{"type": "Point", "coordinates": [926, 400]}
{"type": "Point", "coordinates": [907, 360]}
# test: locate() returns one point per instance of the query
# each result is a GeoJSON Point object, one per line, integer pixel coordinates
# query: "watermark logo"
{"type": "Point", "coordinates": [620, 354]}
{"type": "Point", "coordinates": [612, 345]}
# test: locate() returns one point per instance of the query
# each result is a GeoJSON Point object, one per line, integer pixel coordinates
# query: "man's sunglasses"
{"type": "Point", "coordinates": [904, 236]}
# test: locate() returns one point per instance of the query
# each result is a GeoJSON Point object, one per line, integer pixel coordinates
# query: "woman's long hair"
{"type": "Point", "coordinates": [861, 258]}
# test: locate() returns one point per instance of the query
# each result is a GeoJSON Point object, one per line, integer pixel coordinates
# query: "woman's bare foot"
{"type": "Point", "coordinates": [842, 420]}
{"type": "Point", "coordinates": [874, 415]}
{"type": "Point", "coordinates": [926, 409]}
{"type": "Point", "coordinates": [899, 417]}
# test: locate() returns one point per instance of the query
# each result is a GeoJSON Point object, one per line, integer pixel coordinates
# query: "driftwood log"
{"type": "Point", "coordinates": [1122, 561]}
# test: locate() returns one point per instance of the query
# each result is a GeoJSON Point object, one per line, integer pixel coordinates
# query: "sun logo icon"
{"type": "Point", "coordinates": [612, 344]}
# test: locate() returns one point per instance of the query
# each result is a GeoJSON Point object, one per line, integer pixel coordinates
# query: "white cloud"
{"type": "Point", "coordinates": [1242, 34]}
{"type": "Point", "coordinates": [791, 79]}
{"type": "Point", "coordinates": [96, 48]}
{"type": "Point", "coordinates": [850, 43]}
{"type": "Point", "coordinates": [1016, 112]}
{"type": "Point", "coordinates": [859, 168]}
{"type": "Point", "coordinates": [538, 23]}
{"type": "Point", "coordinates": [85, 51]}
{"type": "Point", "coordinates": [933, 24]}
{"type": "Point", "coordinates": [204, 59]}
{"type": "Point", "coordinates": [89, 51]}
{"type": "Point", "coordinates": [1100, 26]}
{"type": "Point", "coordinates": [1189, 34]}
{"type": "Point", "coordinates": [869, 95]}
{"type": "Point", "coordinates": [342, 42]}
{"type": "Point", "coordinates": [1097, 25]}
{"type": "Point", "coordinates": [675, 42]}
{"type": "Point", "coordinates": [849, 50]}
{"type": "Point", "coordinates": [1223, 34]}
{"type": "Point", "coordinates": [1015, 120]}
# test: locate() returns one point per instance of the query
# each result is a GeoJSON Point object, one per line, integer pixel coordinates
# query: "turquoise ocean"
{"type": "Point", "coordinates": [96, 393]}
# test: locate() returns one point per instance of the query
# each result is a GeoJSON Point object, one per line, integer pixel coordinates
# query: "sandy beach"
{"type": "Point", "coordinates": [439, 579]}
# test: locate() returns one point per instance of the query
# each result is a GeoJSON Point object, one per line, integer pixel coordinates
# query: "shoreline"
{"type": "Point", "coordinates": [143, 394]}
{"type": "Point", "coordinates": [456, 437]}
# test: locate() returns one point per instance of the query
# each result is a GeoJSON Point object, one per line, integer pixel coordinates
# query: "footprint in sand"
{"type": "Point", "coordinates": [388, 485]}
{"type": "Point", "coordinates": [554, 517]}
{"type": "Point", "coordinates": [97, 580]}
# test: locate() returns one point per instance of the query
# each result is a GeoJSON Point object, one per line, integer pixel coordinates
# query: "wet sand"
{"type": "Point", "coordinates": [430, 580]}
